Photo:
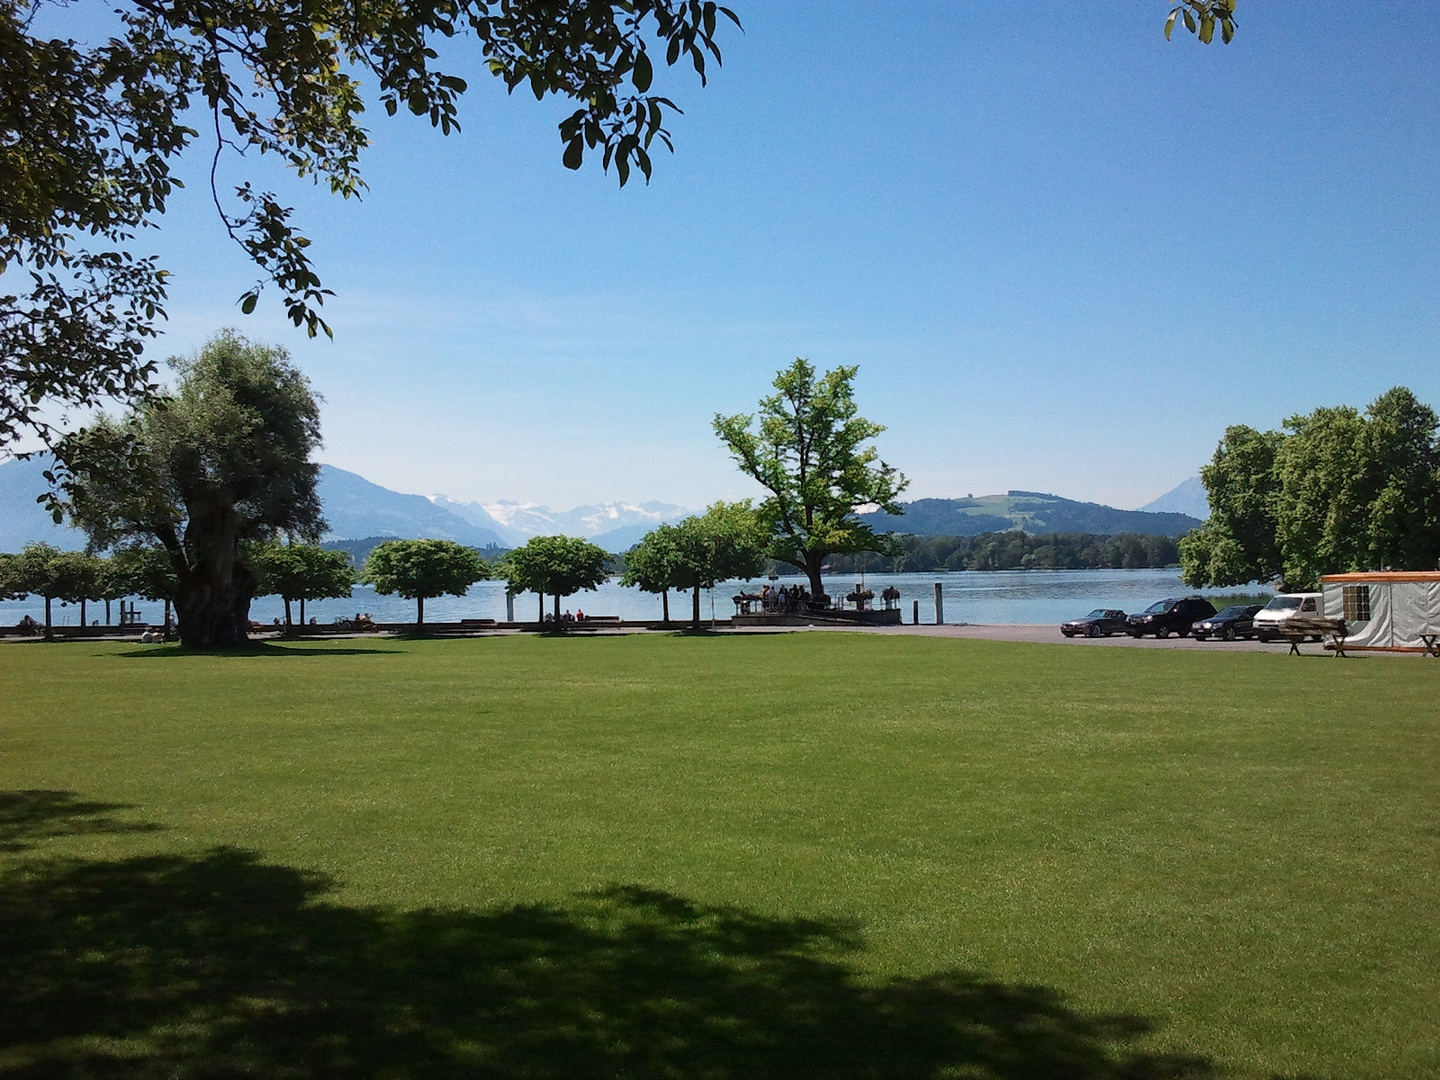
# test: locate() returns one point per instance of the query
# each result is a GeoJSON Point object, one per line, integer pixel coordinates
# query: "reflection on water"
{"type": "Point", "coordinates": [1004, 596]}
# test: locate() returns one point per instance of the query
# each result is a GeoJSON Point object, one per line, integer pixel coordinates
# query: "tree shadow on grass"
{"type": "Point", "coordinates": [221, 966]}
{"type": "Point", "coordinates": [29, 816]}
{"type": "Point", "coordinates": [250, 651]}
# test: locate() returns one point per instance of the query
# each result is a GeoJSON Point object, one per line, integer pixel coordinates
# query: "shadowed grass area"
{"type": "Point", "coordinates": [1149, 860]}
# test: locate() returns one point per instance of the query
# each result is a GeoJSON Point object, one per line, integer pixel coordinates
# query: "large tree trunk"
{"type": "Point", "coordinates": [557, 609]}
{"type": "Point", "coordinates": [107, 612]}
{"type": "Point", "coordinates": [813, 561]}
{"type": "Point", "coordinates": [695, 609]}
{"type": "Point", "coordinates": [82, 611]}
{"type": "Point", "coordinates": [665, 607]}
{"type": "Point", "coordinates": [213, 608]}
{"type": "Point", "coordinates": [289, 626]}
{"type": "Point", "coordinates": [302, 611]}
{"type": "Point", "coordinates": [419, 611]}
{"type": "Point", "coordinates": [49, 633]}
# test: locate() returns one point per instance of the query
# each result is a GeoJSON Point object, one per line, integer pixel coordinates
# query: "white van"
{"type": "Point", "coordinates": [1271, 619]}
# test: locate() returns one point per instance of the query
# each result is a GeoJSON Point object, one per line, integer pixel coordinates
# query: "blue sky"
{"type": "Point", "coordinates": [1064, 252]}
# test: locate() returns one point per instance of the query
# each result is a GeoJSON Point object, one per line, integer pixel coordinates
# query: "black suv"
{"type": "Point", "coordinates": [1173, 616]}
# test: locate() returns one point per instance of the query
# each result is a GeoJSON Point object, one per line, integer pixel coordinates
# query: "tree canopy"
{"type": "Point", "coordinates": [556, 566]}
{"type": "Point", "coordinates": [299, 572]}
{"type": "Point", "coordinates": [810, 453]}
{"type": "Point", "coordinates": [421, 569]}
{"type": "Point", "coordinates": [91, 131]}
{"type": "Point", "coordinates": [728, 541]}
{"type": "Point", "coordinates": [1338, 491]}
{"type": "Point", "coordinates": [223, 461]}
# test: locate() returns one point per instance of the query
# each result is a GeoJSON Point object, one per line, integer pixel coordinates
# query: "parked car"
{"type": "Point", "coordinates": [1100, 622]}
{"type": "Point", "coordinates": [1271, 619]}
{"type": "Point", "coordinates": [1236, 621]}
{"type": "Point", "coordinates": [1173, 616]}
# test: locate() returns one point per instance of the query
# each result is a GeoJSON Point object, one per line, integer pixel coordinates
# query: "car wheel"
{"type": "Point", "coordinates": [1229, 634]}
{"type": "Point", "coordinates": [1137, 634]}
{"type": "Point", "coordinates": [1200, 637]}
{"type": "Point", "coordinates": [1163, 632]}
{"type": "Point", "coordinates": [1094, 631]}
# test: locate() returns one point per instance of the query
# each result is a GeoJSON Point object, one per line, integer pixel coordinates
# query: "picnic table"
{"type": "Point", "coordinates": [1298, 629]}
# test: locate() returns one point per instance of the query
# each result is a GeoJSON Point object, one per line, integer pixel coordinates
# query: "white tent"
{"type": "Point", "coordinates": [1390, 611]}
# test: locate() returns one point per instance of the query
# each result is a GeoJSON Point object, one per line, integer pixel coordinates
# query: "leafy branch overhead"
{"type": "Point", "coordinates": [89, 134]}
{"type": "Point", "coordinates": [1201, 17]}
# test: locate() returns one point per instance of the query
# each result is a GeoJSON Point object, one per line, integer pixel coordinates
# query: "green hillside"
{"type": "Point", "coordinates": [1031, 511]}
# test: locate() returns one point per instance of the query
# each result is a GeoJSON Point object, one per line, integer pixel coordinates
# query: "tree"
{"type": "Point", "coordinates": [809, 453]}
{"type": "Point", "coordinates": [143, 570]}
{"type": "Point", "coordinates": [420, 569]}
{"type": "Point", "coordinates": [90, 133]}
{"type": "Point", "coordinates": [12, 578]}
{"type": "Point", "coordinates": [651, 566]}
{"type": "Point", "coordinates": [1237, 544]}
{"type": "Point", "coordinates": [1338, 491]}
{"type": "Point", "coordinates": [38, 569]}
{"type": "Point", "coordinates": [222, 462]}
{"type": "Point", "coordinates": [555, 565]}
{"type": "Point", "coordinates": [300, 572]}
{"type": "Point", "coordinates": [77, 577]}
{"type": "Point", "coordinates": [728, 541]}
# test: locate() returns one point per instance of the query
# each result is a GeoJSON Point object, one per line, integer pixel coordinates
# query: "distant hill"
{"type": "Point", "coordinates": [1032, 511]}
{"type": "Point", "coordinates": [22, 519]}
{"type": "Point", "coordinates": [1188, 498]}
{"type": "Point", "coordinates": [354, 508]}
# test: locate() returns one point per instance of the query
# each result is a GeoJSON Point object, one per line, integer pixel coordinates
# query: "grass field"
{"type": "Point", "coordinates": [803, 855]}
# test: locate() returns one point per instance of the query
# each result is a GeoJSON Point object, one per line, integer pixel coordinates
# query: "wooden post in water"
{"type": "Point", "coordinates": [915, 613]}
{"type": "Point", "coordinates": [939, 606]}
{"type": "Point", "coordinates": [509, 606]}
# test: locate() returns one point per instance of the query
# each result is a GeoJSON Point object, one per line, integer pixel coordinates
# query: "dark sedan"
{"type": "Point", "coordinates": [1234, 622]}
{"type": "Point", "coordinates": [1101, 621]}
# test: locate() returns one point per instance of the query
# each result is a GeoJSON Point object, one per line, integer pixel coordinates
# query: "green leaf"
{"type": "Point", "coordinates": [1170, 23]}
{"type": "Point", "coordinates": [247, 303]}
{"type": "Point", "coordinates": [574, 153]}
{"type": "Point", "coordinates": [644, 73]}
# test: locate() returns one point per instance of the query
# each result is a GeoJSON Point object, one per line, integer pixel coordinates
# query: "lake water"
{"type": "Point", "coordinates": [1005, 596]}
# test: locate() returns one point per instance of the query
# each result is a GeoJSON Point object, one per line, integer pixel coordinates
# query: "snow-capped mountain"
{"type": "Point", "coordinates": [614, 522]}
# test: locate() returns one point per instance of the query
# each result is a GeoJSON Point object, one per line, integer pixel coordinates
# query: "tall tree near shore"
{"type": "Point", "coordinates": [420, 570]}
{"type": "Point", "coordinates": [1338, 491]}
{"type": "Point", "coordinates": [810, 453]}
{"type": "Point", "coordinates": [557, 566]}
{"type": "Point", "coordinates": [223, 461]}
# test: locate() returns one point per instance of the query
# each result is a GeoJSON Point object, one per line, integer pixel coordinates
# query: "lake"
{"type": "Point", "coordinates": [1004, 596]}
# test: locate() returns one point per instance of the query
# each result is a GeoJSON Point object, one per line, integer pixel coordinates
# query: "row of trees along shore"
{"type": "Point", "coordinates": [1017, 550]}
{"type": "Point", "coordinates": [214, 485]}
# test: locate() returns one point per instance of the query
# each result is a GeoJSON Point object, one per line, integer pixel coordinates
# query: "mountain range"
{"type": "Point", "coordinates": [357, 509]}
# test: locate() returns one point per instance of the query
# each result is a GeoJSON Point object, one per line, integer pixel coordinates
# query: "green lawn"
{"type": "Point", "coordinates": [804, 855]}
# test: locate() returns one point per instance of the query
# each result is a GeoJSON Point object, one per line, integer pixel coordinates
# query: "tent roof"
{"type": "Point", "coordinates": [1383, 575]}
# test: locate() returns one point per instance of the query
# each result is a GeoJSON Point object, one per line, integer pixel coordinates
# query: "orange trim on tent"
{"type": "Point", "coordinates": [1385, 575]}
